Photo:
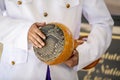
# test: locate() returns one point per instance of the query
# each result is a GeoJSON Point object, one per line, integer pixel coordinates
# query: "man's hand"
{"type": "Point", "coordinates": [35, 35]}
{"type": "Point", "coordinates": [73, 60]}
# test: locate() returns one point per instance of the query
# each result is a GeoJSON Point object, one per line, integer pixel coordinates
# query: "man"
{"type": "Point", "coordinates": [19, 23]}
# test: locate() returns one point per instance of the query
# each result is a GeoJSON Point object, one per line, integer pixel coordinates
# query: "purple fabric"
{"type": "Point", "coordinates": [48, 74]}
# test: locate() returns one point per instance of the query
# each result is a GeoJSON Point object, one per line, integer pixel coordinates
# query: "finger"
{"type": "Point", "coordinates": [75, 57]}
{"type": "Point", "coordinates": [73, 60]}
{"type": "Point", "coordinates": [38, 39]}
{"type": "Point", "coordinates": [75, 52]}
{"type": "Point", "coordinates": [69, 63]}
{"type": "Point", "coordinates": [80, 41]}
{"type": "Point", "coordinates": [35, 43]}
{"type": "Point", "coordinates": [37, 31]}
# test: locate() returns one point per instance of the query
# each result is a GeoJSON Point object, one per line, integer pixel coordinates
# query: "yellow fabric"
{"type": "Point", "coordinates": [1, 48]}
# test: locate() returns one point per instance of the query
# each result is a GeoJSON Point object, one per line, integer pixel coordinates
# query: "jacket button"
{"type": "Point", "coordinates": [19, 2]}
{"type": "Point", "coordinates": [45, 14]}
{"type": "Point", "coordinates": [13, 62]}
{"type": "Point", "coordinates": [68, 5]}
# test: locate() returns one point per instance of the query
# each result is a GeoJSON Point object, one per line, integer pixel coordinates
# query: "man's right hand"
{"type": "Point", "coordinates": [35, 36]}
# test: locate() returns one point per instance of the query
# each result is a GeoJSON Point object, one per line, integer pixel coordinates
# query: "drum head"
{"type": "Point", "coordinates": [54, 43]}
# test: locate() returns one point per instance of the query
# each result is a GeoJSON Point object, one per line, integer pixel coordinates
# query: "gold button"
{"type": "Point", "coordinates": [19, 2]}
{"type": "Point", "coordinates": [13, 62]}
{"type": "Point", "coordinates": [45, 14]}
{"type": "Point", "coordinates": [68, 5]}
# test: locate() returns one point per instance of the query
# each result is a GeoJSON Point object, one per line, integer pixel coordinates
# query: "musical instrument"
{"type": "Point", "coordinates": [59, 44]}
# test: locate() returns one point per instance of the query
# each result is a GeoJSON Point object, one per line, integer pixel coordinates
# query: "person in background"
{"type": "Point", "coordinates": [19, 23]}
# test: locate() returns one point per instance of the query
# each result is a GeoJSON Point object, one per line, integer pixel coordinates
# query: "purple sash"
{"type": "Point", "coordinates": [48, 74]}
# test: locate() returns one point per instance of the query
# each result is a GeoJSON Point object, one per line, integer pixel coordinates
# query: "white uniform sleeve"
{"type": "Point", "coordinates": [99, 38]}
{"type": "Point", "coordinates": [13, 32]}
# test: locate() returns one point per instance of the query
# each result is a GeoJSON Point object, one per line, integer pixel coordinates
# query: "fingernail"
{"type": "Point", "coordinates": [43, 44]}
{"type": "Point", "coordinates": [44, 37]}
{"type": "Point", "coordinates": [40, 46]}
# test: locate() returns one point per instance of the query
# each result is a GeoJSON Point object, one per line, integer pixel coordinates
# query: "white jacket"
{"type": "Point", "coordinates": [18, 61]}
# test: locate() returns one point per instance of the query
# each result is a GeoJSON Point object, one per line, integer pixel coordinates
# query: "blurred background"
{"type": "Point", "coordinates": [108, 67]}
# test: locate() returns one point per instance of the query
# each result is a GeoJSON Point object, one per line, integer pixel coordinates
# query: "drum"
{"type": "Point", "coordinates": [59, 44]}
